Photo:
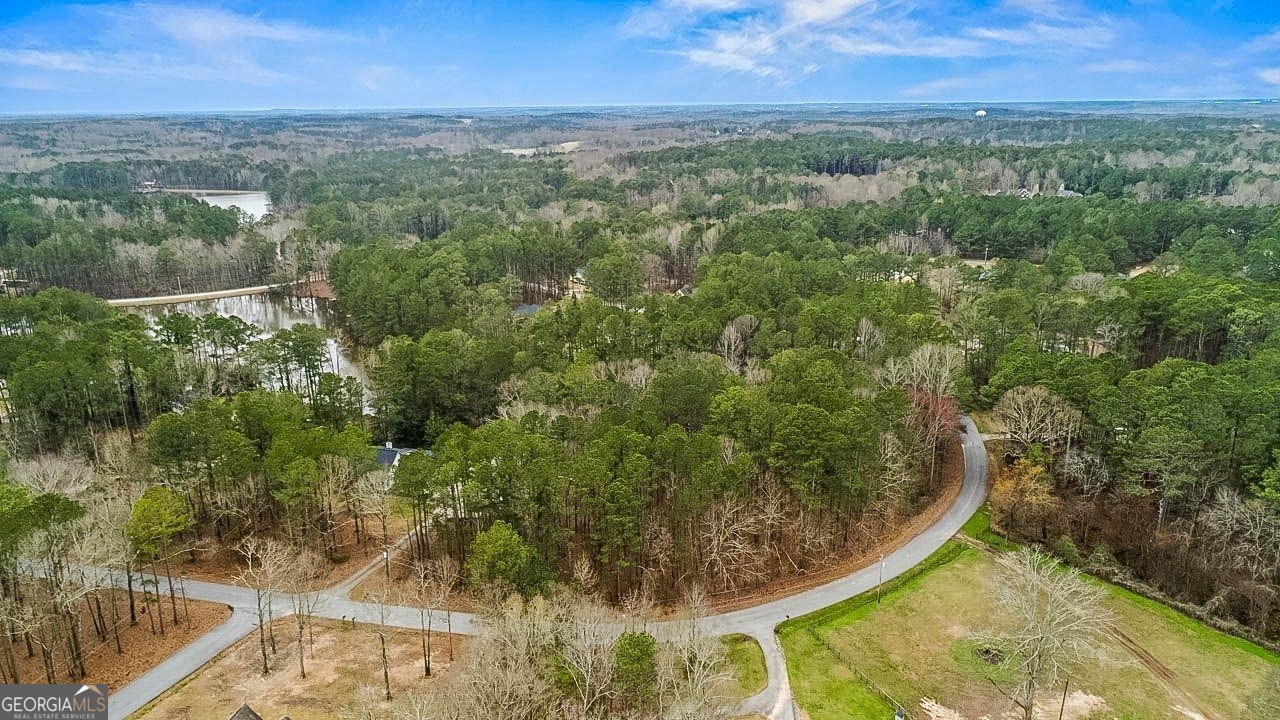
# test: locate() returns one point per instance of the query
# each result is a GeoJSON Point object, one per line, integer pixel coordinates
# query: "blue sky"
{"type": "Point", "coordinates": [177, 55]}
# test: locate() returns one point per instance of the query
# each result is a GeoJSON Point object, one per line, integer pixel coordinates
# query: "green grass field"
{"type": "Point", "coordinates": [920, 642]}
{"type": "Point", "coordinates": [746, 663]}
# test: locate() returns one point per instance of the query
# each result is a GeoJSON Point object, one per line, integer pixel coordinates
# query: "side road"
{"type": "Point", "coordinates": [775, 702]}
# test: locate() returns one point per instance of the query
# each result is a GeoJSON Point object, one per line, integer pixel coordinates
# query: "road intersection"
{"type": "Point", "coordinates": [774, 702]}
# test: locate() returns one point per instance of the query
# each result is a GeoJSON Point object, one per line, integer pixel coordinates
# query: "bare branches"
{"type": "Point", "coordinates": [371, 494]}
{"type": "Point", "coordinates": [868, 339]}
{"type": "Point", "coordinates": [694, 675]}
{"type": "Point", "coordinates": [587, 637]}
{"type": "Point", "coordinates": [1033, 415]}
{"type": "Point", "coordinates": [1086, 471]}
{"type": "Point", "coordinates": [1242, 535]}
{"type": "Point", "coordinates": [727, 535]}
{"type": "Point", "coordinates": [734, 340]}
{"type": "Point", "coordinates": [1057, 623]}
{"type": "Point", "coordinates": [930, 368]}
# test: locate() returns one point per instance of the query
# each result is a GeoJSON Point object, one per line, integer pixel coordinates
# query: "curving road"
{"type": "Point", "coordinates": [775, 702]}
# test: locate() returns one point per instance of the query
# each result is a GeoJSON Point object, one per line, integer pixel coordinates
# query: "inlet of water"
{"type": "Point", "coordinates": [269, 313]}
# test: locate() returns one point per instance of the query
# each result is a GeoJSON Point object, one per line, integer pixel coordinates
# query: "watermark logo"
{"type": "Point", "coordinates": [53, 702]}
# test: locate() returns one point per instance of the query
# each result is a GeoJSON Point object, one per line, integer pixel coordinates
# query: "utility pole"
{"type": "Point", "coordinates": [881, 582]}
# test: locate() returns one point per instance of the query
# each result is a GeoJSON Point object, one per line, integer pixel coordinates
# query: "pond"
{"type": "Point", "coordinates": [269, 313]}
{"type": "Point", "coordinates": [253, 204]}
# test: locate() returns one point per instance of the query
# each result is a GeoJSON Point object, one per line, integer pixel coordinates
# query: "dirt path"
{"type": "Point", "coordinates": [1167, 678]}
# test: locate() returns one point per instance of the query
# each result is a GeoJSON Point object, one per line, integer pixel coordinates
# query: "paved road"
{"type": "Point", "coordinates": [775, 701]}
{"type": "Point", "coordinates": [759, 621]}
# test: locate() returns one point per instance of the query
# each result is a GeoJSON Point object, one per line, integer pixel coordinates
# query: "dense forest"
{"type": "Point", "coordinates": [738, 355]}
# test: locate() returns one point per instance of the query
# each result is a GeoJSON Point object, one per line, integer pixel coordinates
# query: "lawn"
{"type": "Point", "coordinates": [746, 663]}
{"type": "Point", "coordinates": [921, 642]}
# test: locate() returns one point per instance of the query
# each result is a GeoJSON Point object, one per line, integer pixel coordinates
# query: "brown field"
{"type": "Point", "coordinates": [343, 660]}
{"type": "Point", "coordinates": [143, 650]}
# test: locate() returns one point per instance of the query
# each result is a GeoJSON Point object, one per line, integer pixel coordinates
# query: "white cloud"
{"type": "Point", "coordinates": [169, 40]}
{"type": "Point", "coordinates": [934, 88]}
{"type": "Point", "coordinates": [780, 38]}
{"type": "Point", "coordinates": [212, 25]}
{"type": "Point", "coordinates": [1094, 34]}
{"type": "Point", "coordinates": [32, 83]}
{"type": "Point", "coordinates": [809, 12]}
{"type": "Point", "coordinates": [744, 50]}
{"type": "Point", "coordinates": [1052, 9]}
{"type": "Point", "coordinates": [1120, 66]}
{"type": "Point", "coordinates": [139, 65]}
{"type": "Point", "coordinates": [1270, 75]}
{"type": "Point", "coordinates": [928, 47]}
{"type": "Point", "coordinates": [1264, 43]}
{"type": "Point", "coordinates": [77, 62]}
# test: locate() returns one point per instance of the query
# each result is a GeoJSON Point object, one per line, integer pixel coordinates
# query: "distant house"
{"type": "Point", "coordinates": [245, 713]}
{"type": "Point", "coordinates": [1064, 192]}
{"type": "Point", "coordinates": [389, 457]}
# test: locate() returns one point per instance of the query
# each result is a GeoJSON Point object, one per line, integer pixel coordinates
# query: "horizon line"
{"type": "Point", "coordinates": [454, 109]}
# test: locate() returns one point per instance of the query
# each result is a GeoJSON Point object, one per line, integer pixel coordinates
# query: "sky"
{"type": "Point", "coordinates": [226, 55]}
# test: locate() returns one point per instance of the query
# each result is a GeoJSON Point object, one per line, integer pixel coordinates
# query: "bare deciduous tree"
{"type": "Point", "coordinates": [504, 677]}
{"type": "Point", "coordinates": [1033, 415]}
{"type": "Point", "coordinates": [694, 677]}
{"type": "Point", "coordinates": [383, 603]}
{"type": "Point", "coordinates": [733, 342]}
{"type": "Point", "coordinates": [726, 537]}
{"type": "Point", "coordinates": [892, 485]}
{"type": "Point", "coordinates": [434, 582]}
{"type": "Point", "coordinates": [587, 636]}
{"type": "Point", "coordinates": [1086, 471]}
{"type": "Point", "coordinates": [372, 496]}
{"type": "Point", "coordinates": [930, 368]}
{"type": "Point", "coordinates": [1057, 623]}
{"type": "Point", "coordinates": [868, 339]}
{"type": "Point", "coordinates": [303, 596]}
{"type": "Point", "coordinates": [946, 283]}
{"type": "Point", "coordinates": [1242, 535]}
{"type": "Point", "coordinates": [267, 565]}
{"type": "Point", "coordinates": [51, 474]}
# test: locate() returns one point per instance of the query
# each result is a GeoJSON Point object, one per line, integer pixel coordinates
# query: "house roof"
{"type": "Point", "coordinates": [388, 456]}
{"type": "Point", "coordinates": [245, 713]}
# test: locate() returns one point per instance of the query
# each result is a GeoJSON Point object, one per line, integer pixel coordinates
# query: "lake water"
{"type": "Point", "coordinates": [255, 204]}
{"type": "Point", "coordinates": [269, 313]}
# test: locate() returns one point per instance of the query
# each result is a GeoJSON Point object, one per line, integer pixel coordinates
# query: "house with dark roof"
{"type": "Point", "coordinates": [389, 457]}
{"type": "Point", "coordinates": [245, 713]}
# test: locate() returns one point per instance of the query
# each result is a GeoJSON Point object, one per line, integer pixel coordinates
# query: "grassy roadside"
{"type": "Point", "coordinates": [746, 663]}
{"type": "Point", "coordinates": [823, 680]}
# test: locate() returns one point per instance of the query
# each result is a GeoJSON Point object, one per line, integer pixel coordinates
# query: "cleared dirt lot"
{"type": "Point", "coordinates": [342, 663]}
{"type": "Point", "coordinates": [142, 648]}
